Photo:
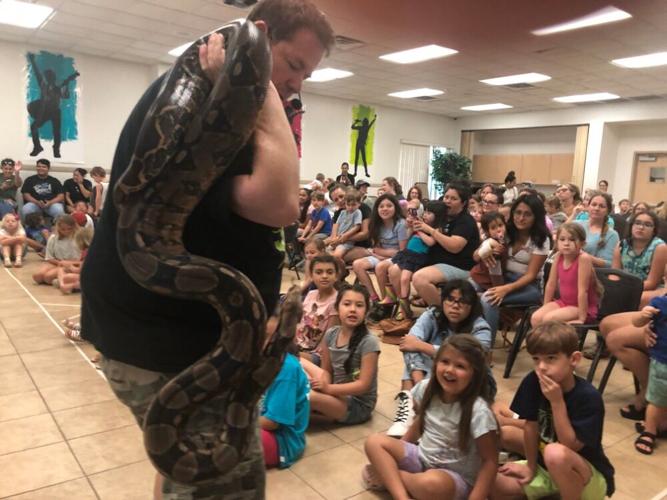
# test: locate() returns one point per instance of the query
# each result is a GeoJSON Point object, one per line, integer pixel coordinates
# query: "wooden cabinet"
{"type": "Point", "coordinates": [537, 168]}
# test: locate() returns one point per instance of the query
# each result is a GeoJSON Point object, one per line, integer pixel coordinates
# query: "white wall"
{"type": "Point", "coordinates": [109, 90]}
{"type": "Point", "coordinates": [634, 138]}
{"type": "Point", "coordinates": [326, 136]}
{"type": "Point", "coordinates": [633, 128]}
{"type": "Point", "coordinates": [525, 141]}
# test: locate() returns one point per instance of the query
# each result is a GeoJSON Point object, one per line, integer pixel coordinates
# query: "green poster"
{"type": "Point", "coordinates": [362, 136]}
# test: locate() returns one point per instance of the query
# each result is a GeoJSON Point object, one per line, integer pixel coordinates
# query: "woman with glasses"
{"type": "Point", "coordinates": [529, 243]}
{"type": "Point", "coordinates": [643, 254]}
{"type": "Point", "coordinates": [569, 196]}
{"type": "Point", "coordinates": [10, 182]}
{"type": "Point", "coordinates": [459, 311]}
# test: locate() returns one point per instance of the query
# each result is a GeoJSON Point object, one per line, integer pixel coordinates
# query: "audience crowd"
{"type": "Point", "coordinates": [437, 278]}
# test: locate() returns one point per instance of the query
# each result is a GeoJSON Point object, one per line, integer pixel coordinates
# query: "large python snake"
{"type": "Point", "coordinates": [189, 138]}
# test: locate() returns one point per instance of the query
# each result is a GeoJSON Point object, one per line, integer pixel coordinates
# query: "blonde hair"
{"type": "Point", "coordinates": [84, 237]}
{"type": "Point", "coordinates": [6, 217]}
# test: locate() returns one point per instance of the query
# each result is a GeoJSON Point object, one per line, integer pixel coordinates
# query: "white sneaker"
{"type": "Point", "coordinates": [405, 414]}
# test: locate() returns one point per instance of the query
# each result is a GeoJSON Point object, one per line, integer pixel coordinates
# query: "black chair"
{"type": "Point", "coordinates": [524, 324]}
{"type": "Point", "coordinates": [292, 249]}
{"type": "Point", "coordinates": [622, 293]}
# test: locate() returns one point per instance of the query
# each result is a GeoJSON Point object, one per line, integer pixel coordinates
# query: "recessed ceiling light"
{"type": "Point", "coordinates": [328, 74]}
{"type": "Point", "coordinates": [408, 94]}
{"type": "Point", "coordinates": [645, 61]}
{"type": "Point", "coordinates": [513, 79]}
{"type": "Point", "coordinates": [602, 16]}
{"type": "Point", "coordinates": [599, 96]}
{"type": "Point", "coordinates": [486, 107]}
{"type": "Point", "coordinates": [23, 14]}
{"type": "Point", "coordinates": [419, 54]}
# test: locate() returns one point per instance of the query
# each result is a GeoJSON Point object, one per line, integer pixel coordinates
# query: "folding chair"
{"type": "Point", "coordinates": [292, 250]}
{"type": "Point", "coordinates": [622, 293]}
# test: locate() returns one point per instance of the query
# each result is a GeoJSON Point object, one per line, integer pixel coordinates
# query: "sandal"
{"type": "Point", "coordinates": [370, 479]}
{"type": "Point", "coordinates": [633, 413]}
{"type": "Point", "coordinates": [649, 443]}
{"type": "Point", "coordinates": [639, 427]}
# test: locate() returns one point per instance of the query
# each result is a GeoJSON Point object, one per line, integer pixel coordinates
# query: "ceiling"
{"type": "Point", "coordinates": [492, 36]}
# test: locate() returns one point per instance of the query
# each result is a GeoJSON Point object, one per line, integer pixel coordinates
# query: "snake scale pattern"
{"type": "Point", "coordinates": [188, 139]}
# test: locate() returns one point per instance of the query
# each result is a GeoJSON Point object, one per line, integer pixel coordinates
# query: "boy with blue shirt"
{"type": "Point", "coordinates": [563, 430]}
{"type": "Point", "coordinates": [285, 410]}
{"type": "Point", "coordinates": [347, 225]}
{"type": "Point", "coordinates": [319, 223]}
{"type": "Point", "coordinates": [656, 391]}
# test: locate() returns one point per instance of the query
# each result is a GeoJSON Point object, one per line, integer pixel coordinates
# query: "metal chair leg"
{"type": "Point", "coordinates": [517, 342]}
{"type": "Point", "coordinates": [607, 374]}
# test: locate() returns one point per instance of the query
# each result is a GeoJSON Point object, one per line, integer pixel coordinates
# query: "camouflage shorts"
{"type": "Point", "coordinates": [137, 387]}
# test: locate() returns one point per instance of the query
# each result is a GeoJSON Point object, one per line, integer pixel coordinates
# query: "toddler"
{"type": "Point", "coordinates": [36, 232]}
{"type": "Point", "coordinates": [347, 225]}
{"type": "Point", "coordinates": [488, 272]}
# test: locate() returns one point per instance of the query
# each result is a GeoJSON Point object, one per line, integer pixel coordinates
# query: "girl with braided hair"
{"type": "Point", "coordinates": [344, 390]}
{"type": "Point", "coordinates": [601, 239]}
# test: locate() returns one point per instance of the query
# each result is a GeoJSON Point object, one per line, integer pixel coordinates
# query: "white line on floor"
{"type": "Point", "coordinates": [660, 496]}
{"type": "Point", "coordinates": [58, 326]}
{"type": "Point", "coordinates": [60, 305]}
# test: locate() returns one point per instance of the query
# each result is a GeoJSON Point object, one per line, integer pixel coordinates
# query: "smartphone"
{"type": "Point", "coordinates": [412, 212]}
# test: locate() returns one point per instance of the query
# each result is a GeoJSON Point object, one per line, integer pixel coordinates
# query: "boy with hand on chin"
{"type": "Point", "coordinates": [563, 431]}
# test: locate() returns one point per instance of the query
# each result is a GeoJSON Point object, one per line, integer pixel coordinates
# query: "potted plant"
{"type": "Point", "coordinates": [446, 167]}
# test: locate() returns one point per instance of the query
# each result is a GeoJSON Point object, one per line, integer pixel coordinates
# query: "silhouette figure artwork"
{"type": "Point", "coordinates": [363, 127]}
{"type": "Point", "coordinates": [46, 109]}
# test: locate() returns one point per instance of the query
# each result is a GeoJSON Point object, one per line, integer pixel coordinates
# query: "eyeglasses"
{"type": "Point", "coordinates": [9, 163]}
{"type": "Point", "coordinates": [562, 190]}
{"type": "Point", "coordinates": [453, 300]}
{"type": "Point", "coordinates": [647, 225]}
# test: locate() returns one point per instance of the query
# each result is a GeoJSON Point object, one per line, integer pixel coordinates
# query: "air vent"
{"type": "Point", "coordinates": [426, 98]}
{"type": "Point", "coordinates": [519, 86]}
{"type": "Point", "coordinates": [347, 43]}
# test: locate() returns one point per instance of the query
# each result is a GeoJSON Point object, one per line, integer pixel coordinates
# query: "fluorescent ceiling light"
{"type": "Point", "coordinates": [328, 74]}
{"type": "Point", "coordinates": [645, 61]}
{"type": "Point", "coordinates": [408, 94]}
{"type": "Point", "coordinates": [513, 79]}
{"type": "Point", "coordinates": [23, 14]}
{"type": "Point", "coordinates": [419, 54]}
{"type": "Point", "coordinates": [599, 96]}
{"type": "Point", "coordinates": [486, 107]}
{"type": "Point", "coordinates": [602, 16]}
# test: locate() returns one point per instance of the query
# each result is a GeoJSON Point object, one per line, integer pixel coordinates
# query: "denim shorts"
{"type": "Point", "coordinates": [413, 464]}
{"type": "Point", "coordinates": [356, 412]}
{"type": "Point", "coordinates": [136, 388]}
{"type": "Point", "coordinates": [452, 273]}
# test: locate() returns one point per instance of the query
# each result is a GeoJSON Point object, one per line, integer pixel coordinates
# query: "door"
{"type": "Point", "coordinates": [650, 178]}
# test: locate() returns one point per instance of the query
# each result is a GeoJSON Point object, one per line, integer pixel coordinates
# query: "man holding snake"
{"type": "Point", "coordinates": [145, 338]}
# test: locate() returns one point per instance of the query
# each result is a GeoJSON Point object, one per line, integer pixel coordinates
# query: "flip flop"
{"type": "Point", "coordinates": [633, 413]}
{"type": "Point", "coordinates": [650, 444]}
{"type": "Point", "coordinates": [639, 427]}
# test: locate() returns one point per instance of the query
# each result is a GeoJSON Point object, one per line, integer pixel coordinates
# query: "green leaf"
{"type": "Point", "coordinates": [446, 167]}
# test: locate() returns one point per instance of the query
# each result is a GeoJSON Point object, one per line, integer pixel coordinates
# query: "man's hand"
{"type": "Point", "coordinates": [521, 472]}
{"type": "Point", "coordinates": [212, 56]}
{"type": "Point", "coordinates": [18, 166]}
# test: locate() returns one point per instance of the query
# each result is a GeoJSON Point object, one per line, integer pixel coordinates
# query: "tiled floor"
{"type": "Point", "coordinates": [63, 435]}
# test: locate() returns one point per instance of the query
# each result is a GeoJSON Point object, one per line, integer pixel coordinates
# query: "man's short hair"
{"type": "Point", "coordinates": [44, 161]}
{"type": "Point", "coordinates": [285, 17]}
{"type": "Point", "coordinates": [552, 337]}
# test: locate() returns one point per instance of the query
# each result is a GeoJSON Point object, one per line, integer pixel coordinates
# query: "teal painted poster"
{"type": "Point", "coordinates": [52, 101]}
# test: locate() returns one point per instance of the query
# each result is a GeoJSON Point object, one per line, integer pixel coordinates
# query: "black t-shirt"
{"type": "Point", "coordinates": [346, 182]}
{"type": "Point", "coordinates": [74, 191]}
{"type": "Point", "coordinates": [128, 323]}
{"type": "Point", "coordinates": [42, 189]}
{"type": "Point", "coordinates": [585, 409]}
{"type": "Point", "coordinates": [461, 225]}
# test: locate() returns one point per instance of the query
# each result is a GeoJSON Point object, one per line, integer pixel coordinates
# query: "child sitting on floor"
{"type": "Point", "coordinates": [37, 234]}
{"type": "Point", "coordinates": [12, 240]}
{"type": "Point", "coordinates": [60, 249]}
{"type": "Point", "coordinates": [563, 430]}
{"type": "Point", "coordinates": [69, 273]}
